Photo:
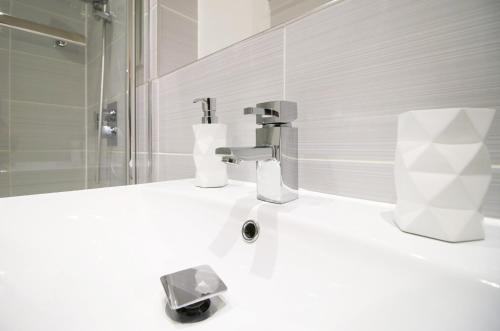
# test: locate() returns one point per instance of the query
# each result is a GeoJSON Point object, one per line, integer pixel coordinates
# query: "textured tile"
{"type": "Point", "coordinates": [142, 125]}
{"type": "Point", "coordinates": [114, 31]}
{"type": "Point", "coordinates": [177, 40]}
{"type": "Point", "coordinates": [115, 73]}
{"type": "Point", "coordinates": [371, 181]}
{"type": "Point", "coordinates": [170, 167]}
{"type": "Point", "coordinates": [113, 169]}
{"type": "Point", "coordinates": [44, 46]}
{"type": "Point", "coordinates": [241, 76]}
{"type": "Point", "coordinates": [491, 205]}
{"type": "Point", "coordinates": [153, 42]}
{"type": "Point", "coordinates": [4, 73]}
{"type": "Point", "coordinates": [43, 172]}
{"type": "Point", "coordinates": [40, 79]}
{"type": "Point", "coordinates": [354, 66]}
{"type": "Point", "coordinates": [4, 174]}
{"type": "Point", "coordinates": [116, 68]}
{"type": "Point", "coordinates": [284, 11]}
{"type": "Point", "coordinates": [187, 8]}
{"type": "Point", "coordinates": [4, 124]}
{"type": "Point", "coordinates": [36, 126]}
{"type": "Point", "coordinates": [142, 168]}
{"type": "Point", "coordinates": [4, 100]}
{"type": "Point", "coordinates": [4, 32]}
{"type": "Point", "coordinates": [155, 107]}
{"type": "Point", "coordinates": [93, 69]}
{"type": "Point", "coordinates": [72, 9]}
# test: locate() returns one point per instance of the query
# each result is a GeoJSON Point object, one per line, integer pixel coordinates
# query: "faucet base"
{"type": "Point", "coordinates": [278, 202]}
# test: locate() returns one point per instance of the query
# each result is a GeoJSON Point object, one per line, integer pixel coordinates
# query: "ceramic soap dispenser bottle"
{"type": "Point", "coordinates": [210, 171]}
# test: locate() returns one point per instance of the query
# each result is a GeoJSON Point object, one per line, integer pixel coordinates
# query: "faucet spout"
{"type": "Point", "coordinates": [275, 152]}
{"type": "Point", "coordinates": [235, 155]}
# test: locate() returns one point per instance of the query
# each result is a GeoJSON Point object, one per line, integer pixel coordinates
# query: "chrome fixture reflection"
{"type": "Point", "coordinates": [250, 231]}
{"type": "Point", "coordinates": [109, 124]}
{"type": "Point", "coordinates": [190, 293]}
{"type": "Point", "coordinates": [61, 43]}
{"type": "Point", "coordinates": [275, 151]}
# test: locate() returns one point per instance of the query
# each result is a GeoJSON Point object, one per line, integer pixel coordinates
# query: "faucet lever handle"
{"type": "Point", "coordinates": [261, 111]}
{"type": "Point", "coordinates": [273, 112]}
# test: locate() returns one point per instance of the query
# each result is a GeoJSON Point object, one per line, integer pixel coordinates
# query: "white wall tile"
{"type": "Point", "coordinates": [187, 8]}
{"type": "Point", "coordinates": [141, 118]}
{"type": "Point", "coordinates": [369, 180]}
{"type": "Point", "coordinates": [177, 40]}
{"type": "Point", "coordinates": [153, 42]}
{"type": "Point", "coordinates": [354, 66]}
{"type": "Point", "coordinates": [249, 72]}
{"type": "Point", "coordinates": [491, 205]}
{"type": "Point", "coordinates": [173, 166]}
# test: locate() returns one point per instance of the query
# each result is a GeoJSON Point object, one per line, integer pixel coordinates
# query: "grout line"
{"type": "Point", "coordinates": [494, 166]}
{"type": "Point", "coordinates": [348, 161]}
{"type": "Point", "coordinates": [51, 13]}
{"type": "Point", "coordinates": [49, 150]}
{"type": "Point", "coordinates": [259, 34]}
{"type": "Point", "coordinates": [45, 104]}
{"type": "Point", "coordinates": [284, 63]}
{"type": "Point", "coordinates": [86, 103]}
{"type": "Point", "coordinates": [47, 57]}
{"type": "Point", "coordinates": [109, 45]}
{"type": "Point", "coordinates": [174, 154]}
{"type": "Point", "coordinates": [179, 13]}
{"type": "Point", "coordinates": [9, 106]}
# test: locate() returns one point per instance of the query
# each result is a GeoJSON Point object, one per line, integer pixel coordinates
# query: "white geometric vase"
{"type": "Point", "coordinates": [442, 172]}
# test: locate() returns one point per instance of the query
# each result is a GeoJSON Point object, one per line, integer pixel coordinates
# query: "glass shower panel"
{"type": "Point", "coordinates": [49, 95]}
{"type": "Point", "coordinates": [107, 164]}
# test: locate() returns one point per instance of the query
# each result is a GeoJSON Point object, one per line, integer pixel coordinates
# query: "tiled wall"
{"type": "Point", "coordinates": [177, 33]}
{"type": "Point", "coordinates": [352, 68]}
{"type": "Point", "coordinates": [42, 101]}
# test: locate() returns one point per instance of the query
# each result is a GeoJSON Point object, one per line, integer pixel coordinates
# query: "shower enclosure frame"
{"type": "Point", "coordinates": [130, 121]}
{"type": "Point", "coordinates": [136, 9]}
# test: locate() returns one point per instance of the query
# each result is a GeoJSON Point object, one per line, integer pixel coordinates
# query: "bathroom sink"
{"type": "Point", "coordinates": [91, 260]}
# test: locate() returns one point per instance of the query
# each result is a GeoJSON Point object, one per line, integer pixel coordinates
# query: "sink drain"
{"type": "Point", "coordinates": [250, 231]}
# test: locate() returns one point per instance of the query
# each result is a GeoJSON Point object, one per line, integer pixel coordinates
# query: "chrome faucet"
{"type": "Point", "coordinates": [275, 151]}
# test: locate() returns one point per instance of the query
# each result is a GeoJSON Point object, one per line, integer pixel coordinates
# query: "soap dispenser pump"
{"type": "Point", "coordinates": [210, 171]}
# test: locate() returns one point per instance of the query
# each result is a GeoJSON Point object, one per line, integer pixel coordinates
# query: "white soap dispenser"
{"type": "Point", "coordinates": [210, 170]}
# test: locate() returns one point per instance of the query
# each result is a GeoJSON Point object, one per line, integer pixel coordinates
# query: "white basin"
{"type": "Point", "coordinates": [91, 260]}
